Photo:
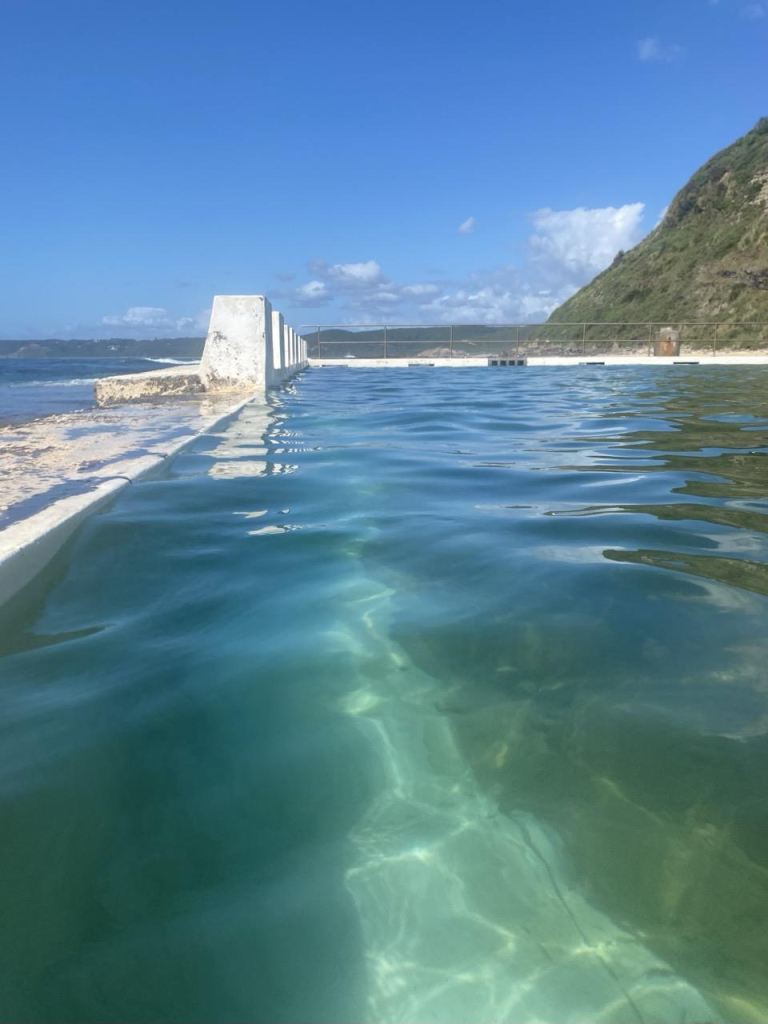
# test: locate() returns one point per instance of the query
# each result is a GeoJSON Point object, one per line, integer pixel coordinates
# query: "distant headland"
{"type": "Point", "coordinates": [110, 348]}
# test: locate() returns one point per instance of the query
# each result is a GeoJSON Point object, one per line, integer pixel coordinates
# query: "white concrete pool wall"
{"type": "Point", "coordinates": [27, 546]}
{"type": "Point", "coordinates": [249, 349]}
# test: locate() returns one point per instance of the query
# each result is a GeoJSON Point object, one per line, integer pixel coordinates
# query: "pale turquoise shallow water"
{"type": "Point", "coordinates": [421, 696]}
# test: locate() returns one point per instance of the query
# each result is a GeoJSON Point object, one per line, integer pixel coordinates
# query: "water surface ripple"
{"type": "Point", "coordinates": [418, 695]}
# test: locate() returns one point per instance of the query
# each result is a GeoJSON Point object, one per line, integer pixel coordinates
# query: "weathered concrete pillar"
{"type": "Point", "coordinates": [238, 349]}
{"type": "Point", "coordinates": [284, 351]}
{"type": "Point", "coordinates": [278, 361]}
{"type": "Point", "coordinates": [248, 349]}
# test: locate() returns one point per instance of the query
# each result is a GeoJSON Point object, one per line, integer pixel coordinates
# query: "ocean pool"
{"type": "Point", "coordinates": [417, 695]}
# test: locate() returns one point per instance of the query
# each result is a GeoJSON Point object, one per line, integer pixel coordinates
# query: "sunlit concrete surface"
{"type": "Point", "coordinates": [248, 349]}
{"type": "Point", "coordinates": [133, 387]}
{"type": "Point", "coordinates": [238, 349]}
{"type": "Point", "coordinates": [60, 469]}
{"type": "Point", "coordinates": [684, 359]}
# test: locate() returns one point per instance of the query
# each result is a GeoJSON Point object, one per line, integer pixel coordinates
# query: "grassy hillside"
{"type": "Point", "coordinates": [707, 260]}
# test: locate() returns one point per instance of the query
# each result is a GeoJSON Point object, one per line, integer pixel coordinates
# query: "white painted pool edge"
{"type": "Point", "coordinates": [459, 362]}
{"type": "Point", "coordinates": [26, 547]}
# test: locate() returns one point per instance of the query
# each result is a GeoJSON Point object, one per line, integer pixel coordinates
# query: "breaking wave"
{"type": "Point", "coordinates": [174, 362]}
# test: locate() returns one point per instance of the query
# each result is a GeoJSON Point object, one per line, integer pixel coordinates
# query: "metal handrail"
{"type": "Point", "coordinates": [717, 326]}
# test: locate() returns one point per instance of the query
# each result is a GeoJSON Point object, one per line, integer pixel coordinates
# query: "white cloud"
{"type": "Point", "coordinates": [362, 286]}
{"type": "Point", "coordinates": [577, 244]}
{"type": "Point", "coordinates": [353, 273]}
{"type": "Point", "coordinates": [467, 226]}
{"type": "Point", "coordinates": [652, 49]}
{"type": "Point", "coordinates": [313, 293]}
{"type": "Point", "coordinates": [145, 322]}
{"type": "Point", "coordinates": [146, 316]}
{"type": "Point", "coordinates": [504, 295]}
{"type": "Point", "coordinates": [565, 250]}
{"type": "Point", "coordinates": [753, 11]}
{"type": "Point", "coordinates": [420, 289]}
{"type": "Point", "coordinates": [648, 49]}
{"type": "Point", "coordinates": [502, 299]}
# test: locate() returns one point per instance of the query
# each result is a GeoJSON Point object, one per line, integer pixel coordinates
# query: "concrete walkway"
{"type": "Point", "coordinates": [60, 469]}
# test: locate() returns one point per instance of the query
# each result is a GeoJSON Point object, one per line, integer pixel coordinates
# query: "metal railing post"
{"type": "Point", "coordinates": [451, 343]}
{"type": "Point", "coordinates": [583, 339]}
{"type": "Point", "coordinates": [318, 342]}
{"type": "Point", "coordinates": [714, 342]}
{"type": "Point", "coordinates": [517, 340]}
{"type": "Point", "coordinates": [650, 338]}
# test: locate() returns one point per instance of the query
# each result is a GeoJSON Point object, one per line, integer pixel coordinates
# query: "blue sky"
{"type": "Point", "coordinates": [326, 154]}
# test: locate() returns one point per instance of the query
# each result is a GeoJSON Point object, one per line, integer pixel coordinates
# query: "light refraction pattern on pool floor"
{"type": "Point", "coordinates": [415, 696]}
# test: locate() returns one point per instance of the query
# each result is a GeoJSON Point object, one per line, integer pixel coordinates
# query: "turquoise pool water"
{"type": "Point", "coordinates": [421, 695]}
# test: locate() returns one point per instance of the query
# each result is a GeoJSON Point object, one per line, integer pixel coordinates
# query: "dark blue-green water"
{"type": "Point", "coordinates": [421, 695]}
{"type": "Point", "coordinates": [30, 388]}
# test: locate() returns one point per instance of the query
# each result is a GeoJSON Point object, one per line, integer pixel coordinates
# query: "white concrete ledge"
{"type": "Point", "coordinates": [26, 547]}
{"type": "Point", "coordinates": [136, 387]}
{"type": "Point", "coordinates": [683, 359]}
{"type": "Point", "coordinates": [249, 349]}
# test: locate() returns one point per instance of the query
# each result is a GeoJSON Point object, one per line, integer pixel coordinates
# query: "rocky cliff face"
{"type": "Point", "coordinates": [707, 260]}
